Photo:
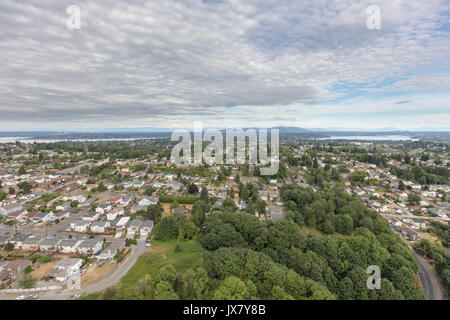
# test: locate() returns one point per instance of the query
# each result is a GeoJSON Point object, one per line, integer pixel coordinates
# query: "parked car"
{"type": "Point", "coordinates": [20, 298]}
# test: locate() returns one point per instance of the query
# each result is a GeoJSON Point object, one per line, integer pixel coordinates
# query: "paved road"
{"type": "Point", "coordinates": [428, 279]}
{"type": "Point", "coordinates": [104, 283]}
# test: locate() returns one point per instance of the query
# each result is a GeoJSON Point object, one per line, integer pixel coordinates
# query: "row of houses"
{"type": "Point", "coordinates": [33, 243]}
{"type": "Point", "coordinates": [133, 227]}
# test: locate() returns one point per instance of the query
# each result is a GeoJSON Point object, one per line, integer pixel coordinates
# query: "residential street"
{"type": "Point", "coordinates": [428, 279]}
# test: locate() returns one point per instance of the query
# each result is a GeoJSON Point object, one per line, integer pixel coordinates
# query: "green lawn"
{"type": "Point", "coordinates": [163, 254]}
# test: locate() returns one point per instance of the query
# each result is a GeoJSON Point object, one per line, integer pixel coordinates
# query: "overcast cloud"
{"type": "Point", "coordinates": [227, 63]}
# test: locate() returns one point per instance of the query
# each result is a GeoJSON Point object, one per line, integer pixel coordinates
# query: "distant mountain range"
{"type": "Point", "coordinates": [283, 130]}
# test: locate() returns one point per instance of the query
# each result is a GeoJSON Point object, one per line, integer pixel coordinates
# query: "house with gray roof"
{"type": "Point", "coordinates": [68, 245]}
{"type": "Point", "coordinates": [146, 228]}
{"type": "Point", "coordinates": [133, 227]}
{"type": "Point", "coordinates": [90, 246]}
{"type": "Point", "coordinates": [31, 243]}
{"type": "Point", "coordinates": [49, 244]}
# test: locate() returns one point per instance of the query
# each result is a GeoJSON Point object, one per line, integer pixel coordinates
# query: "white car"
{"type": "Point", "coordinates": [20, 298]}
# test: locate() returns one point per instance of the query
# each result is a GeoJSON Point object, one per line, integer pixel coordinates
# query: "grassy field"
{"type": "Point", "coordinates": [161, 254]}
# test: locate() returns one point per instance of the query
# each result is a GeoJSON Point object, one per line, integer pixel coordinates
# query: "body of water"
{"type": "Point", "coordinates": [33, 140]}
{"type": "Point", "coordinates": [371, 138]}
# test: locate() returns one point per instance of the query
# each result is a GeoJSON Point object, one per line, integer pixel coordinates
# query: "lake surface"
{"type": "Point", "coordinates": [37, 140]}
{"type": "Point", "coordinates": [371, 138]}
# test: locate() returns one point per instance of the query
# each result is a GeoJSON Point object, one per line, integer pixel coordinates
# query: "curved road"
{"type": "Point", "coordinates": [427, 277]}
{"type": "Point", "coordinates": [104, 283]}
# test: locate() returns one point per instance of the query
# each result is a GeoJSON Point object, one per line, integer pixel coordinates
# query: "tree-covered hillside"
{"type": "Point", "coordinates": [320, 251]}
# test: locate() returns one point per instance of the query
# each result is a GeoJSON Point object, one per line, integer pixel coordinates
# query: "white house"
{"type": "Point", "coordinates": [31, 243]}
{"type": "Point", "coordinates": [63, 207]}
{"type": "Point", "coordinates": [90, 247]}
{"type": "Point", "coordinates": [68, 245]}
{"type": "Point", "coordinates": [103, 208]}
{"type": "Point", "coordinates": [146, 228]}
{"type": "Point", "coordinates": [124, 201]}
{"type": "Point", "coordinates": [110, 251]}
{"type": "Point", "coordinates": [148, 201]}
{"type": "Point", "coordinates": [133, 228]}
{"type": "Point", "coordinates": [123, 222]}
{"type": "Point", "coordinates": [80, 225]}
{"type": "Point", "coordinates": [114, 213]}
{"type": "Point", "coordinates": [94, 216]}
{"type": "Point", "coordinates": [100, 226]}
{"type": "Point", "coordinates": [49, 244]}
{"type": "Point", "coordinates": [77, 197]}
{"type": "Point", "coordinates": [66, 267]}
{"type": "Point", "coordinates": [44, 217]}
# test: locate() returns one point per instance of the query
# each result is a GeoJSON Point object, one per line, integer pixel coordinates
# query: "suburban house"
{"type": "Point", "coordinates": [19, 216]}
{"type": "Point", "coordinates": [66, 267]}
{"type": "Point", "coordinates": [62, 215]}
{"type": "Point", "coordinates": [94, 216]}
{"type": "Point", "coordinates": [114, 200]}
{"type": "Point", "coordinates": [112, 215]}
{"type": "Point", "coordinates": [90, 246]}
{"type": "Point", "coordinates": [44, 217]}
{"type": "Point", "coordinates": [410, 234]}
{"type": "Point", "coordinates": [133, 228]}
{"type": "Point", "coordinates": [137, 208]}
{"type": "Point", "coordinates": [31, 243]}
{"type": "Point", "coordinates": [79, 197]}
{"type": "Point", "coordinates": [6, 210]}
{"type": "Point", "coordinates": [124, 201]}
{"type": "Point", "coordinates": [49, 244]}
{"type": "Point", "coordinates": [395, 223]}
{"type": "Point", "coordinates": [146, 228]}
{"type": "Point", "coordinates": [30, 215]}
{"type": "Point", "coordinates": [122, 223]}
{"type": "Point", "coordinates": [18, 239]}
{"type": "Point", "coordinates": [100, 226]}
{"type": "Point", "coordinates": [80, 225]}
{"type": "Point", "coordinates": [103, 208]}
{"type": "Point", "coordinates": [63, 207]}
{"type": "Point", "coordinates": [110, 251]}
{"type": "Point", "coordinates": [420, 224]}
{"type": "Point", "coordinates": [148, 201]}
{"type": "Point", "coordinates": [264, 195]}
{"type": "Point", "coordinates": [68, 245]}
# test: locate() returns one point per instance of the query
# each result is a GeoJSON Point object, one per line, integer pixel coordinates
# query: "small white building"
{"type": "Point", "coordinates": [66, 267]}
{"type": "Point", "coordinates": [146, 228]}
{"type": "Point", "coordinates": [80, 225]}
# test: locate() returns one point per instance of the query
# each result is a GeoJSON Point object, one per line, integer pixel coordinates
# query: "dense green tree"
{"type": "Point", "coordinates": [165, 291]}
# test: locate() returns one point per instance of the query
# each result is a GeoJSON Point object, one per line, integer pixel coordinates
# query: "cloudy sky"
{"type": "Point", "coordinates": [260, 63]}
